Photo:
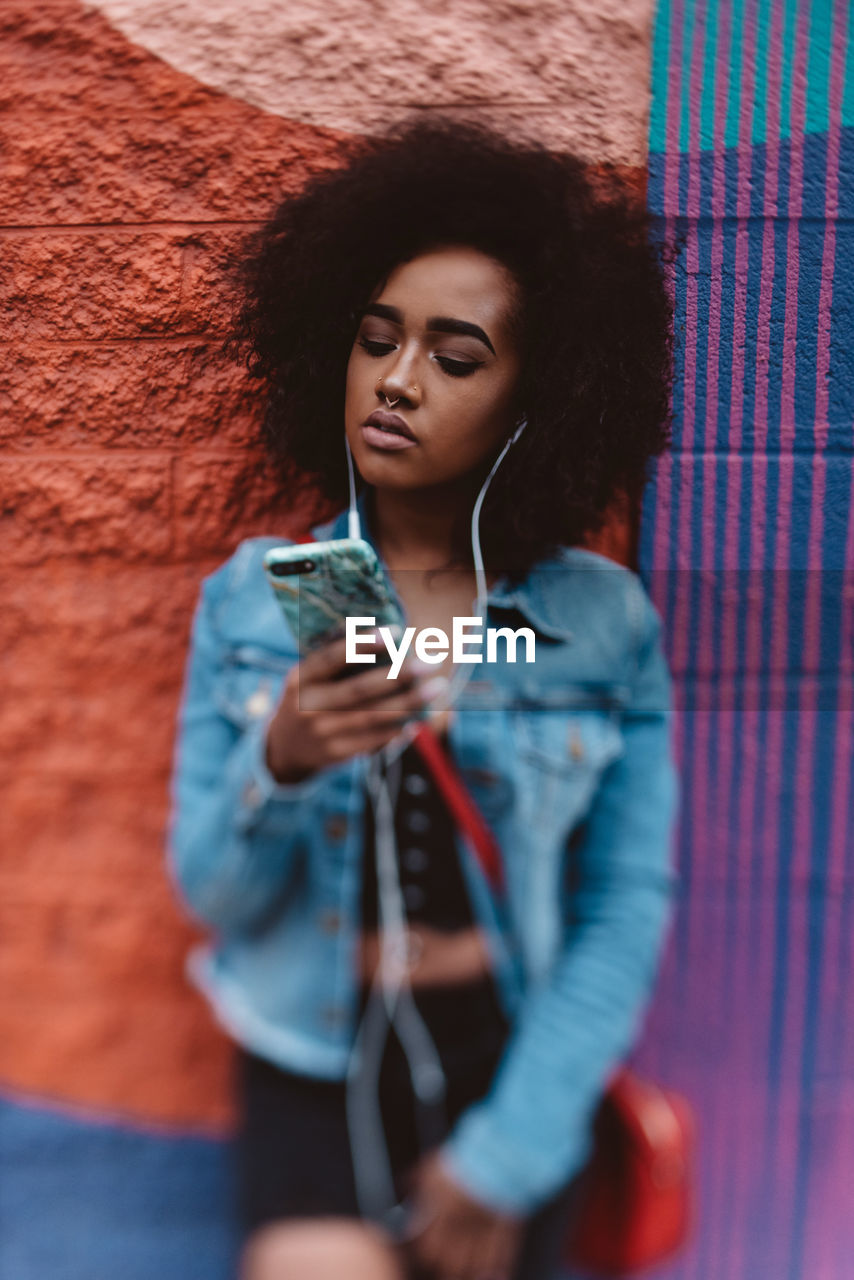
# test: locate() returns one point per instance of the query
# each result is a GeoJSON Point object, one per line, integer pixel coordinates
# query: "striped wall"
{"type": "Point", "coordinates": [747, 543]}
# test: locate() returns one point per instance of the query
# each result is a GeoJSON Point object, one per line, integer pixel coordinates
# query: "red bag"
{"type": "Point", "coordinates": [635, 1197]}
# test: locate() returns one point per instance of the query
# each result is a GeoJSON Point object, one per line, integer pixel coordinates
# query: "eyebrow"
{"type": "Point", "coordinates": [436, 324]}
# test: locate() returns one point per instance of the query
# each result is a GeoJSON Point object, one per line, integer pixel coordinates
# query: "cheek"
{"type": "Point", "coordinates": [474, 423]}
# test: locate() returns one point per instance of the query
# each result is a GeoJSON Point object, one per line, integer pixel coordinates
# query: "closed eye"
{"type": "Point", "coordinates": [454, 368]}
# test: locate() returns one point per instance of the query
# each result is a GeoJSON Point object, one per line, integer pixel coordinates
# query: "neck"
{"type": "Point", "coordinates": [413, 529]}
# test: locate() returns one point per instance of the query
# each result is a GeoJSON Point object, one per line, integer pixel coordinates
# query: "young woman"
{"type": "Point", "coordinates": [442, 292]}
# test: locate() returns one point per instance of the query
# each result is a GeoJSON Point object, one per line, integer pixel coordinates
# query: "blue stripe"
{"type": "Point", "coordinates": [83, 1200]}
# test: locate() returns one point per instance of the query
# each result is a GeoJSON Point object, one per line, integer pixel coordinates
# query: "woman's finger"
{"type": "Point", "coordinates": [364, 744]}
{"type": "Point", "coordinates": [422, 1247]}
{"type": "Point", "coordinates": [391, 711]}
{"type": "Point", "coordinates": [324, 662]}
{"type": "Point", "coordinates": [491, 1261]}
{"type": "Point", "coordinates": [359, 690]}
{"type": "Point", "coordinates": [465, 1254]}
{"type": "Point", "coordinates": [328, 660]}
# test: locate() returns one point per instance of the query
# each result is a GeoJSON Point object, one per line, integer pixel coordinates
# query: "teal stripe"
{"type": "Point", "coordinates": [818, 67]}
{"type": "Point", "coordinates": [789, 32]}
{"type": "Point", "coordinates": [710, 38]}
{"type": "Point", "coordinates": [660, 77]}
{"type": "Point", "coordinates": [818, 72]}
{"type": "Point", "coordinates": [848, 91]}
{"type": "Point", "coordinates": [733, 105]}
{"type": "Point", "coordinates": [688, 25]}
{"type": "Point", "coordinates": [760, 91]}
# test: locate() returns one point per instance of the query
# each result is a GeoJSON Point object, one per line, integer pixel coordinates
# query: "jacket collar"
{"type": "Point", "coordinates": [538, 597]}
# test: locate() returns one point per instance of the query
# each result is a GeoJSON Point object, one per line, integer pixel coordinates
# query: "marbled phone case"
{"type": "Point", "coordinates": [347, 580]}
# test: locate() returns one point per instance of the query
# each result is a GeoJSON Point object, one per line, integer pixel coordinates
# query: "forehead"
{"type": "Point", "coordinates": [456, 281]}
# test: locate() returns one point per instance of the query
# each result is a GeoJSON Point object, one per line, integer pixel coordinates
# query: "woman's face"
{"type": "Point", "coordinates": [436, 337]}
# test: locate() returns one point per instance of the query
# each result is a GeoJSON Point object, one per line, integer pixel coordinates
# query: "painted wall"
{"type": "Point", "coordinates": [748, 542]}
{"type": "Point", "coordinates": [142, 142]}
{"type": "Point", "coordinates": [128, 471]}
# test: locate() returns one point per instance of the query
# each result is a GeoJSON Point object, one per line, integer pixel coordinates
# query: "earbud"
{"type": "Point", "coordinates": [520, 427]}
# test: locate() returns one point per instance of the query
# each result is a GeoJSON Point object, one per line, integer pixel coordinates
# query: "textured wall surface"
{"type": "Point", "coordinates": [748, 542]}
{"type": "Point", "coordinates": [128, 470]}
{"type": "Point", "coordinates": [572, 73]}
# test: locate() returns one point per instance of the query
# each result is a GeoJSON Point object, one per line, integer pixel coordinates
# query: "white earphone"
{"type": "Point", "coordinates": [520, 427]}
{"type": "Point", "coordinates": [391, 1002]}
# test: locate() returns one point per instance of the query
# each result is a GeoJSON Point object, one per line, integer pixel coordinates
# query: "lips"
{"type": "Point", "coordinates": [389, 422]}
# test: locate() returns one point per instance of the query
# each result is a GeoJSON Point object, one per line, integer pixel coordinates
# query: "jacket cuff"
{"type": "Point", "coordinates": [258, 790]}
{"type": "Point", "coordinates": [498, 1174]}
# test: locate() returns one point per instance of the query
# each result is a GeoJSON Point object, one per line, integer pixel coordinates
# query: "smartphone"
{"type": "Point", "coordinates": [320, 584]}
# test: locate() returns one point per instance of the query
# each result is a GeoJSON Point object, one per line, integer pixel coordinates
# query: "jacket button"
{"type": "Point", "coordinates": [335, 826]}
{"type": "Point", "coordinates": [329, 921]}
{"type": "Point", "coordinates": [252, 796]}
{"type": "Point", "coordinates": [414, 860]}
{"type": "Point", "coordinates": [259, 702]}
{"type": "Point", "coordinates": [576, 746]}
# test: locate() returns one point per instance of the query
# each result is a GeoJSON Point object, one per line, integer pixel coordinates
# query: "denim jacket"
{"type": "Point", "coordinates": [571, 761]}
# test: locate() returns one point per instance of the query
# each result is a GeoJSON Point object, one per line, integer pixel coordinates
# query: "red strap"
{"type": "Point", "coordinates": [461, 803]}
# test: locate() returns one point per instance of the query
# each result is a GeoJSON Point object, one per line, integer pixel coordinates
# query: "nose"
{"type": "Point", "coordinates": [399, 382]}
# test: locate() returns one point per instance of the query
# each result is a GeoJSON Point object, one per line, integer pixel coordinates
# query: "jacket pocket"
{"type": "Point", "coordinates": [561, 757]}
{"type": "Point", "coordinates": [568, 741]}
{"type": "Point", "coordinates": [249, 684]}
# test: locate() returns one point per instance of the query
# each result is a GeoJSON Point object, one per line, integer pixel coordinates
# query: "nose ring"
{"type": "Point", "coordinates": [392, 403]}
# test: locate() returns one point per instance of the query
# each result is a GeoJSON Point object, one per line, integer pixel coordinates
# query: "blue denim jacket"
{"type": "Point", "coordinates": [571, 761]}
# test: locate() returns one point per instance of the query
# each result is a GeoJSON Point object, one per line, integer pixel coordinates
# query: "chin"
{"type": "Point", "coordinates": [382, 474]}
{"type": "Point", "coordinates": [389, 470]}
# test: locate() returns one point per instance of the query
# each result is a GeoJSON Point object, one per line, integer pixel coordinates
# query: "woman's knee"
{"type": "Point", "coordinates": [317, 1249]}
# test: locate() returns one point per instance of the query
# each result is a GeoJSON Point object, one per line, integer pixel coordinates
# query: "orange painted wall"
{"type": "Point", "coordinates": [128, 470]}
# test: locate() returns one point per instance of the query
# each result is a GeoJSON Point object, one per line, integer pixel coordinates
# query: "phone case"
{"type": "Point", "coordinates": [347, 581]}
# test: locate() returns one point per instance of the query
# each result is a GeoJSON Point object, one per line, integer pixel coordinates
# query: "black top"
{"type": "Point", "coordinates": [431, 878]}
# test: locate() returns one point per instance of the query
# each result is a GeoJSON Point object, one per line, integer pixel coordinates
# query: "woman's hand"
{"type": "Point", "coordinates": [321, 720]}
{"type": "Point", "coordinates": [460, 1239]}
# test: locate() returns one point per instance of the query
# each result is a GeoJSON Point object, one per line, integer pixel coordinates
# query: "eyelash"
{"type": "Point", "coordinates": [454, 368]}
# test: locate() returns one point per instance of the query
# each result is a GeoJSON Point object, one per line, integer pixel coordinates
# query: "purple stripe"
{"type": "Point", "coordinates": [824, 1211]}
{"type": "Point", "coordinates": [708, 726]}
{"type": "Point", "coordinates": [740, 1163]}
{"type": "Point", "coordinates": [662, 547]}
{"type": "Point", "coordinates": [695, 916]}
{"type": "Point", "coordinates": [674, 94]}
{"type": "Point", "coordinates": [763, 854]}
{"type": "Point", "coordinates": [688, 460]}
{"type": "Point", "coordinates": [787, 1129]}
{"type": "Point", "coordinates": [760, 859]}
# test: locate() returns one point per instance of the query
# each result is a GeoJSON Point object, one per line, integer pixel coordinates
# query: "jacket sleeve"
{"type": "Point", "coordinates": [235, 833]}
{"type": "Point", "coordinates": [532, 1132]}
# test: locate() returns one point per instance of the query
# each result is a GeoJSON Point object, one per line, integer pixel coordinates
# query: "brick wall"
{"type": "Point", "coordinates": [128, 469]}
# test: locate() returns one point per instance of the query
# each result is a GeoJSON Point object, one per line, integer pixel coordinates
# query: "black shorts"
{"type": "Point", "coordinates": [293, 1146]}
